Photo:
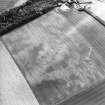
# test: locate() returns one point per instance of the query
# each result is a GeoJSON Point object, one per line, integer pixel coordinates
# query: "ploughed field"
{"type": "Point", "coordinates": [57, 54]}
{"type": "Point", "coordinates": [60, 54]}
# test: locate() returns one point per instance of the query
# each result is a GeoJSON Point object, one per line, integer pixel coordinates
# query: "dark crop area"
{"type": "Point", "coordinates": [20, 15]}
